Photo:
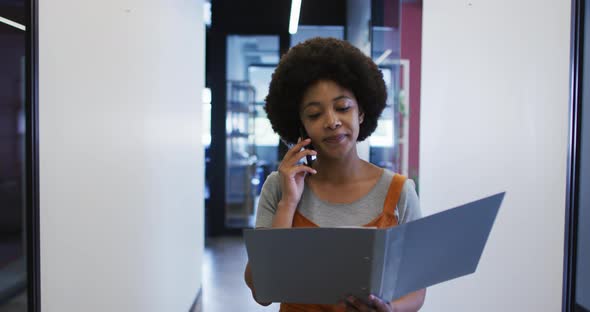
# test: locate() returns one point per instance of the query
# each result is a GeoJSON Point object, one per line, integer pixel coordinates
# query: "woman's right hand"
{"type": "Point", "coordinates": [293, 173]}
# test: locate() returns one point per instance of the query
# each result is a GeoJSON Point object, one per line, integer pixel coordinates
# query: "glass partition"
{"type": "Point", "coordinates": [250, 155]}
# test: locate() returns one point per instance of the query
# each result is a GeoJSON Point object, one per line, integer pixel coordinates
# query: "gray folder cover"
{"type": "Point", "coordinates": [322, 265]}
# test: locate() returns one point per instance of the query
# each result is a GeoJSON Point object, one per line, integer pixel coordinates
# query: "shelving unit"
{"type": "Point", "coordinates": [241, 161]}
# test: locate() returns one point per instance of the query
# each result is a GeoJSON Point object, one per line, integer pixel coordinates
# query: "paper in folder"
{"type": "Point", "coordinates": [322, 265]}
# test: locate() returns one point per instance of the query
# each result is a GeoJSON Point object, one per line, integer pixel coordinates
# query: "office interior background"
{"type": "Point", "coordinates": [133, 143]}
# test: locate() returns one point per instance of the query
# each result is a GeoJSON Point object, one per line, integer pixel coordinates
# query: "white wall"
{"type": "Point", "coordinates": [121, 162]}
{"type": "Point", "coordinates": [494, 118]}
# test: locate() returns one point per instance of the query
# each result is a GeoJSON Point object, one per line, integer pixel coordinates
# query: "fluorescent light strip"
{"type": "Point", "coordinates": [11, 23]}
{"type": "Point", "coordinates": [294, 19]}
{"type": "Point", "coordinates": [383, 56]}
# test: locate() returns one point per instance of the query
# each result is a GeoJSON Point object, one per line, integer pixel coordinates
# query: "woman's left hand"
{"type": "Point", "coordinates": [373, 304]}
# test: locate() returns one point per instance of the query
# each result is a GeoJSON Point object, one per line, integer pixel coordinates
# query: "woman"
{"type": "Point", "coordinates": [326, 94]}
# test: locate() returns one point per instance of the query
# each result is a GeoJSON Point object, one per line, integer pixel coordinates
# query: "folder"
{"type": "Point", "coordinates": [323, 265]}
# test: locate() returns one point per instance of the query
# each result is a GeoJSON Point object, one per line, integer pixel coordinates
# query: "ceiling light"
{"type": "Point", "coordinates": [15, 24]}
{"type": "Point", "coordinates": [294, 20]}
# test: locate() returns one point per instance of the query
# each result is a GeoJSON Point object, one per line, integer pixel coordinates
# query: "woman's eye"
{"type": "Point", "coordinates": [313, 116]}
{"type": "Point", "coordinates": [343, 109]}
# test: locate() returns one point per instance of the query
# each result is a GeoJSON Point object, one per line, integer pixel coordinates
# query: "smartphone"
{"type": "Point", "coordinates": [303, 134]}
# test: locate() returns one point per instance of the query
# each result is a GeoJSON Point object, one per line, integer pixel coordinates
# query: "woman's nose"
{"type": "Point", "coordinates": [332, 121]}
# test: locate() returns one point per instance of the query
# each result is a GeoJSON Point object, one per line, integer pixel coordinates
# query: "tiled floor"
{"type": "Point", "coordinates": [223, 278]}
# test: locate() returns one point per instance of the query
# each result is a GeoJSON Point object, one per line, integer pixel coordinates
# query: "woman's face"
{"type": "Point", "coordinates": [331, 117]}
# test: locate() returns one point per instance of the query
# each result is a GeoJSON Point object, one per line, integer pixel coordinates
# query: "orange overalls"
{"type": "Point", "coordinates": [387, 218]}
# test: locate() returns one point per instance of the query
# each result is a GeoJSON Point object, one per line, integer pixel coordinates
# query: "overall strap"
{"type": "Point", "coordinates": [393, 194]}
{"type": "Point", "coordinates": [300, 220]}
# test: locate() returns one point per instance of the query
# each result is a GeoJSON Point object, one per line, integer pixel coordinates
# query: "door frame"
{"type": "Point", "coordinates": [573, 158]}
{"type": "Point", "coordinates": [32, 159]}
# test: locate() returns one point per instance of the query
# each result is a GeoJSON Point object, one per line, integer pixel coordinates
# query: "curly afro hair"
{"type": "Point", "coordinates": [323, 59]}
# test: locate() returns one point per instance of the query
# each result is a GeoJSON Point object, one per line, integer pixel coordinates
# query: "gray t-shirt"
{"type": "Point", "coordinates": [325, 214]}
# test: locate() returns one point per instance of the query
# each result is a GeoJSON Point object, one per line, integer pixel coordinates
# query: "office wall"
{"type": "Point", "coordinates": [121, 162]}
{"type": "Point", "coordinates": [411, 49]}
{"type": "Point", "coordinates": [495, 77]}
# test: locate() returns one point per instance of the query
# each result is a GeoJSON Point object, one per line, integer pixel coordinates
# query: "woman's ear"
{"type": "Point", "coordinates": [361, 117]}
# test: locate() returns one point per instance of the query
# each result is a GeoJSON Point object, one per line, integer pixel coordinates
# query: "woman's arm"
{"type": "Point", "coordinates": [283, 219]}
{"type": "Point", "coordinates": [248, 279]}
{"type": "Point", "coordinates": [292, 176]}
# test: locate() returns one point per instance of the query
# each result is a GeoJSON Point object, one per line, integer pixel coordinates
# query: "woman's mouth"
{"type": "Point", "coordinates": [335, 139]}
